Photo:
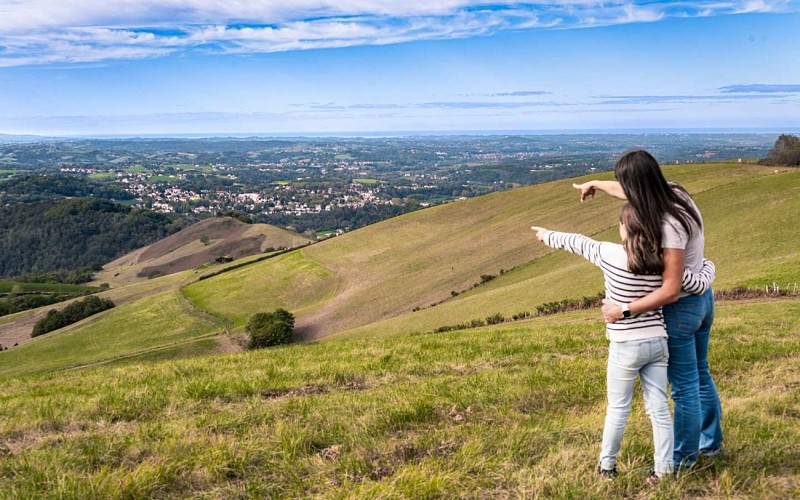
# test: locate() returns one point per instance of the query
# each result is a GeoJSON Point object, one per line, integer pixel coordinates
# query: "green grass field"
{"type": "Point", "coordinates": [160, 178]}
{"type": "Point", "coordinates": [157, 321]}
{"type": "Point", "coordinates": [294, 282]}
{"type": "Point", "coordinates": [497, 412]}
{"type": "Point", "coordinates": [103, 176]}
{"type": "Point", "coordinates": [388, 269]}
{"type": "Point", "coordinates": [749, 246]}
{"type": "Point", "coordinates": [137, 169]}
{"type": "Point", "coordinates": [190, 167]}
{"type": "Point", "coordinates": [7, 286]}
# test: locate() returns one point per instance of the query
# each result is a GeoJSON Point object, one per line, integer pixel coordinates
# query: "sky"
{"type": "Point", "coordinates": [294, 67]}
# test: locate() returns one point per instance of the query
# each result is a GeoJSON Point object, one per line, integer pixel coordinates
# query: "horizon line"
{"type": "Point", "coordinates": [410, 133]}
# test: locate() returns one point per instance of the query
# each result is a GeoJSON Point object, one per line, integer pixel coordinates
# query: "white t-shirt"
{"type": "Point", "coordinates": [675, 236]}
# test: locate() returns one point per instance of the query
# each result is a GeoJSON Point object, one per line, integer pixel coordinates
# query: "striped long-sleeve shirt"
{"type": "Point", "coordinates": [622, 286]}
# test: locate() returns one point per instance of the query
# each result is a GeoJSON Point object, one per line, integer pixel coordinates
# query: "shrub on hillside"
{"type": "Point", "coordinates": [270, 328]}
{"type": "Point", "coordinates": [785, 152]}
{"type": "Point", "coordinates": [71, 314]}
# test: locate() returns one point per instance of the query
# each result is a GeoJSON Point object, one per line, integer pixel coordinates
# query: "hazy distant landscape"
{"type": "Point", "coordinates": [326, 185]}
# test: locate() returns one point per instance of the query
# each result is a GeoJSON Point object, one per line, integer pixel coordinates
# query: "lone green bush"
{"type": "Point", "coordinates": [270, 328]}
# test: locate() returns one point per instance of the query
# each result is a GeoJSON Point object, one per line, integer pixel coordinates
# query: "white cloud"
{"type": "Point", "coordinates": [67, 31]}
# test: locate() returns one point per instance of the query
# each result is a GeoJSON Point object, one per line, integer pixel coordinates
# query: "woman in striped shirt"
{"type": "Point", "coordinates": [638, 342]}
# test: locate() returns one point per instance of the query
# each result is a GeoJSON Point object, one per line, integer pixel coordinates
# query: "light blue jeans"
{"type": "Point", "coordinates": [646, 359]}
{"type": "Point", "coordinates": [697, 407]}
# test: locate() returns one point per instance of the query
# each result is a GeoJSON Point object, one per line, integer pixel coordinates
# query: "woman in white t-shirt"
{"type": "Point", "coordinates": [674, 230]}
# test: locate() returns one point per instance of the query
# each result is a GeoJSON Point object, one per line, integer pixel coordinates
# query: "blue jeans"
{"type": "Point", "coordinates": [697, 407]}
{"type": "Point", "coordinates": [646, 359]}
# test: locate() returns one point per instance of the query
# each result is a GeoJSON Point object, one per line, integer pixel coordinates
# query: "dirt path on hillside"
{"type": "Point", "coordinates": [228, 345]}
{"type": "Point", "coordinates": [20, 330]}
{"type": "Point", "coordinates": [320, 323]}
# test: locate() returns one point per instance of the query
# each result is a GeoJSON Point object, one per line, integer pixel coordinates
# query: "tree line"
{"type": "Point", "coordinates": [72, 234]}
{"type": "Point", "coordinates": [33, 188]}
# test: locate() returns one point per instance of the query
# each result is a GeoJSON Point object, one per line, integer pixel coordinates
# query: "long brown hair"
{"type": "Point", "coordinates": [652, 199]}
{"type": "Point", "coordinates": [644, 257]}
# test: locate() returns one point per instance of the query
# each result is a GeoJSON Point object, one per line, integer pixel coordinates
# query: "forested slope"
{"type": "Point", "coordinates": [74, 233]}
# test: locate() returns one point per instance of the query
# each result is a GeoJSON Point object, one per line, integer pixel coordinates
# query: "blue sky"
{"type": "Point", "coordinates": [128, 67]}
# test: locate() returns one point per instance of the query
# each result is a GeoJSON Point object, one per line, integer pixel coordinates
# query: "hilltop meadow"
{"type": "Point", "coordinates": [147, 399]}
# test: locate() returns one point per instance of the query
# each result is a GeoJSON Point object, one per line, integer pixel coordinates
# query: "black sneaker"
{"type": "Point", "coordinates": [607, 474]}
{"type": "Point", "coordinates": [654, 478]}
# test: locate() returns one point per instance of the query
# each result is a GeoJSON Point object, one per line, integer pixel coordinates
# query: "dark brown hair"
{"type": "Point", "coordinates": [644, 257]}
{"type": "Point", "coordinates": [652, 198]}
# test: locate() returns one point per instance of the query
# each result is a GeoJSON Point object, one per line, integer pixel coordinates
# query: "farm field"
{"type": "Point", "coordinates": [157, 321]}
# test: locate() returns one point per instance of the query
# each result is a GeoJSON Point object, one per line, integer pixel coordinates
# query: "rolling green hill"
{"type": "Point", "coordinates": [384, 271]}
{"type": "Point", "coordinates": [367, 283]}
{"type": "Point", "coordinates": [197, 245]}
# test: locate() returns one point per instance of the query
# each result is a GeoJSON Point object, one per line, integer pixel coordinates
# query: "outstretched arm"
{"type": "Point", "coordinates": [571, 242]}
{"type": "Point", "coordinates": [611, 188]}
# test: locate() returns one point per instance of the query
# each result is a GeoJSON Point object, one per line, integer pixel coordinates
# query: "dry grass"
{"type": "Point", "coordinates": [499, 412]}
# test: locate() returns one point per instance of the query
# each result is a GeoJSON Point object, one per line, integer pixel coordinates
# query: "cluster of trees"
{"type": "Point", "coordinates": [74, 234]}
{"type": "Point", "coordinates": [32, 188]}
{"type": "Point", "coordinates": [340, 217]}
{"type": "Point", "coordinates": [68, 276]}
{"type": "Point", "coordinates": [786, 152]}
{"type": "Point", "coordinates": [236, 215]}
{"type": "Point", "coordinates": [71, 314]}
{"type": "Point", "coordinates": [270, 328]}
{"type": "Point", "coordinates": [18, 303]}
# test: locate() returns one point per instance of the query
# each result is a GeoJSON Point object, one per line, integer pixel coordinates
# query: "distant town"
{"type": "Point", "coordinates": [329, 185]}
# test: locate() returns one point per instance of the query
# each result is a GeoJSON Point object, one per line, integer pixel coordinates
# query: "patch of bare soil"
{"type": "Point", "coordinates": [201, 243]}
{"type": "Point", "coordinates": [355, 385]}
{"type": "Point", "coordinates": [227, 344]}
{"type": "Point", "coordinates": [213, 229]}
{"type": "Point", "coordinates": [231, 247]}
{"type": "Point", "coordinates": [20, 330]}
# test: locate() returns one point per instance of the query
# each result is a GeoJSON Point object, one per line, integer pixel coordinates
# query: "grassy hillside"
{"type": "Point", "coordinates": [505, 411]}
{"type": "Point", "coordinates": [122, 331]}
{"type": "Point", "coordinates": [8, 286]}
{"type": "Point", "coordinates": [197, 245]}
{"type": "Point", "coordinates": [378, 411]}
{"type": "Point", "coordinates": [365, 284]}
{"type": "Point", "coordinates": [750, 245]}
{"type": "Point", "coordinates": [160, 320]}
{"type": "Point", "coordinates": [386, 270]}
